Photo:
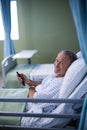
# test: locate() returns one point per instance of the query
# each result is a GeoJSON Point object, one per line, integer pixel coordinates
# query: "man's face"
{"type": "Point", "coordinates": [61, 64]}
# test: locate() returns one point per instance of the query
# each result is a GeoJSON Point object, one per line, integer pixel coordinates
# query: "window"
{"type": "Point", "coordinates": [14, 23]}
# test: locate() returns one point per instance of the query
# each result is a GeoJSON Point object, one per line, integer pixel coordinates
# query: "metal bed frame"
{"type": "Point", "coordinates": [11, 127]}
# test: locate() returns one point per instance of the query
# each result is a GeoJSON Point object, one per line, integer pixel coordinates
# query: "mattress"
{"type": "Point", "coordinates": [41, 71]}
{"type": "Point", "coordinates": [12, 106]}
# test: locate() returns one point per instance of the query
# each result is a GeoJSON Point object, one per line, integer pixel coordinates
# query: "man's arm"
{"type": "Point", "coordinates": [23, 78]}
{"type": "Point", "coordinates": [31, 83]}
{"type": "Point", "coordinates": [31, 92]}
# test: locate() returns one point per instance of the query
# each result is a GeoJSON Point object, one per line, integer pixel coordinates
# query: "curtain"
{"type": "Point", "coordinates": [6, 16]}
{"type": "Point", "coordinates": [79, 12]}
{"type": "Point", "coordinates": [83, 119]}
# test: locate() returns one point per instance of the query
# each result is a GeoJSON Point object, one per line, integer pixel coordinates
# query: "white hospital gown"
{"type": "Point", "coordinates": [48, 89]}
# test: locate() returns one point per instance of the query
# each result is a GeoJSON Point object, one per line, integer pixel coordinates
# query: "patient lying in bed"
{"type": "Point", "coordinates": [73, 85]}
{"type": "Point", "coordinates": [50, 86]}
{"type": "Point", "coordinates": [70, 87]}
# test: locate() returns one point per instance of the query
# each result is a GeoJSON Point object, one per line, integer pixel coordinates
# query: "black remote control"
{"type": "Point", "coordinates": [21, 77]}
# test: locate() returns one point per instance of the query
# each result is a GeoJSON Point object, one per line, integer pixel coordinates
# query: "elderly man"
{"type": "Point", "coordinates": [50, 86]}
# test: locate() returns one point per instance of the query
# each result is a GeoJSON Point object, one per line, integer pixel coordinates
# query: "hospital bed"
{"type": "Point", "coordinates": [70, 102]}
{"type": "Point", "coordinates": [34, 71]}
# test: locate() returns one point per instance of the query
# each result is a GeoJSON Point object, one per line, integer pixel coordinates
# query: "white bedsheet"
{"type": "Point", "coordinates": [41, 71]}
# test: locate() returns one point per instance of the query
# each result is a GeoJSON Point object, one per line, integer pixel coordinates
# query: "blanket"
{"type": "Point", "coordinates": [12, 106]}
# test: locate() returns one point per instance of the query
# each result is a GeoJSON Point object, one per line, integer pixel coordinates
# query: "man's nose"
{"type": "Point", "coordinates": [57, 64]}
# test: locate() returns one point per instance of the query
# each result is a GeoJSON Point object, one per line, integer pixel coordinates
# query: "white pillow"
{"type": "Point", "coordinates": [72, 78]}
{"type": "Point", "coordinates": [79, 54]}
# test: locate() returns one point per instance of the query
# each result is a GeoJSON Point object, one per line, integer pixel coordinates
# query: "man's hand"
{"type": "Point", "coordinates": [21, 78]}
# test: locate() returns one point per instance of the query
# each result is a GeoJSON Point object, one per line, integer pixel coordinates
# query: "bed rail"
{"type": "Point", "coordinates": [23, 128]}
{"type": "Point", "coordinates": [11, 127]}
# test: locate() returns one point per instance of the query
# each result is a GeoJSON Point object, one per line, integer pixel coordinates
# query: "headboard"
{"type": "Point", "coordinates": [7, 64]}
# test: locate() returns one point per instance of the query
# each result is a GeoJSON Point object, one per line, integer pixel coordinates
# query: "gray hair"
{"type": "Point", "coordinates": [72, 56]}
